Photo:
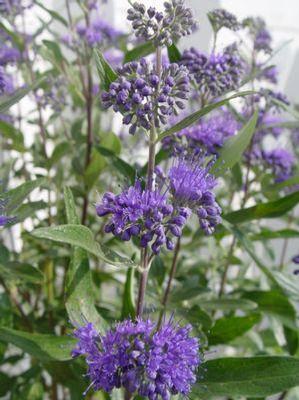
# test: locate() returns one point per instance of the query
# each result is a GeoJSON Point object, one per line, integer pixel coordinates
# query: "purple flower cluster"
{"type": "Point", "coordinates": [144, 98]}
{"type": "Point", "coordinates": [191, 186]}
{"type": "Point", "coordinates": [9, 55]}
{"type": "Point", "coordinates": [261, 36]}
{"type": "Point", "coordinates": [13, 8]}
{"type": "Point", "coordinates": [6, 84]}
{"type": "Point", "coordinates": [295, 259]}
{"type": "Point", "coordinates": [144, 214]}
{"type": "Point", "coordinates": [221, 18]}
{"type": "Point", "coordinates": [162, 28]}
{"type": "Point", "coordinates": [205, 137]}
{"type": "Point", "coordinates": [100, 32]}
{"type": "Point", "coordinates": [269, 74]}
{"type": "Point", "coordinates": [215, 74]}
{"type": "Point", "coordinates": [281, 162]}
{"type": "Point", "coordinates": [145, 360]}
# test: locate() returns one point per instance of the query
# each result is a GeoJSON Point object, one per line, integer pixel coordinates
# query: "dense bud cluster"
{"type": "Point", "coordinates": [153, 363]}
{"type": "Point", "coordinates": [205, 137]}
{"type": "Point", "coordinates": [155, 217]}
{"type": "Point", "coordinates": [217, 73]}
{"type": "Point", "coordinates": [191, 186]}
{"type": "Point", "coordinates": [163, 28]}
{"type": "Point", "coordinates": [261, 36]}
{"type": "Point", "coordinates": [281, 163]}
{"type": "Point", "coordinates": [221, 18]}
{"type": "Point", "coordinates": [99, 32]}
{"type": "Point", "coordinates": [143, 97]}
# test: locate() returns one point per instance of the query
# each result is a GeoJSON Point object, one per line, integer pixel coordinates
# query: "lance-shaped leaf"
{"type": "Point", "coordinates": [272, 209]}
{"type": "Point", "coordinates": [248, 377]}
{"type": "Point", "coordinates": [106, 73]}
{"type": "Point", "coordinates": [174, 54]}
{"type": "Point", "coordinates": [234, 147]}
{"type": "Point", "coordinates": [80, 299]}
{"type": "Point", "coordinates": [81, 236]}
{"type": "Point", "coordinates": [142, 50]}
{"type": "Point", "coordinates": [16, 196]}
{"type": "Point", "coordinates": [41, 346]}
{"type": "Point", "coordinates": [191, 119]}
{"type": "Point", "coordinates": [9, 101]}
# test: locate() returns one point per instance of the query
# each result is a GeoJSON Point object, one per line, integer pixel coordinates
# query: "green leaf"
{"type": "Point", "coordinates": [289, 283]}
{"type": "Point", "coordinates": [21, 271]}
{"type": "Point", "coordinates": [191, 119]}
{"type": "Point", "coordinates": [11, 133]}
{"type": "Point", "coordinates": [80, 299]}
{"type": "Point", "coordinates": [174, 54]}
{"type": "Point", "coordinates": [142, 50]}
{"type": "Point", "coordinates": [228, 304]}
{"type": "Point", "coordinates": [120, 165]}
{"type": "Point", "coordinates": [15, 197]}
{"type": "Point", "coordinates": [274, 303]}
{"type": "Point", "coordinates": [228, 328]}
{"type": "Point", "coordinates": [128, 309]}
{"type": "Point", "coordinates": [234, 147]}
{"type": "Point", "coordinates": [248, 377]}
{"type": "Point", "coordinates": [106, 73]}
{"type": "Point", "coordinates": [9, 101]}
{"type": "Point", "coordinates": [268, 234]}
{"type": "Point", "coordinates": [294, 180]}
{"type": "Point", "coordinates": [94, 169]}
{"type": "Point", "coordinates": [54, 49]}
{"type": "Point", "coordinates": [272, 209]}
{"type": "Point", "coordinates": [81, 236]}
{"type": "Point", "coordinates": [27, 210]}
{"type": "Point", "coordinates": [196, 316]}
{"type": "Point", "coordinates": [54, 14]}
{"type": "Point", "coordinates": [44, 347]}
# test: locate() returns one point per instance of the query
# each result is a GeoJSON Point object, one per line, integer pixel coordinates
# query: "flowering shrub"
{"type": "Point", "coordinates": [138, 186]}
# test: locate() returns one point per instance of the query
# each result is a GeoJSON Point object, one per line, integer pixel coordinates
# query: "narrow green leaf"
{"type": "Point", "coordinates": [9, 101]}
{"type": "Point", "coordinates": [227, 304]}
{"type": "Point", "coordinates": [289, 283]}
{"type": "Point", "coordinates": [21, 271]}
{"type": "Point", "coordinates": [228, 328]}
{"type": "Point", "coordinates": [294, 180]}
{"type": "Point", "coordinates": [234, 147]}
{"type": "Point", "coordinates": [54, 14]}
{"type": "Point", "coordinates": [128, 308]}
{"type": "Point", "coordinates": [11, 133]}
{"type": "Point", "coordinates": [272, 209]}
{"type": "Point", "coordinates": [191, 119]}
{"type": "Point", "coordinates": [41, 346]}
{"type": "Point", "coordinates": [142, 50]}
{"type": "Point", "coordinates": [268, 234]}
{"type": "Point", "coordinates": [16, 196]}
{"type": "Point", "coordinates": [248, 377]}
{"type": "Point", "coordinates": [80, 299]}
{"type": "Point", "coordinates": [120, 165]}
{"type": "Point", "coordinates": [274, 303]}
{"type": "Point", "coordinates": [81, 236]}
{"type": "Point", "coordinates": [106, 73]}
{"type": "Point", "coordinates": [174, 54]}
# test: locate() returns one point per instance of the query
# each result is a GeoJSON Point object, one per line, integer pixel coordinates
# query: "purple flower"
{"type": "Point", "coordinates": [281, 162]}
{"type": "Point", "coordinates": [162, 28]}
{"type": "Point", "coordinates": [9, 55]}
{"type": "Point", "coordinates": [191, 186]}
{"type": "Point", "coordinates": [6, 84]}
{"type": "Point", "coordinates": [269, 74]}
{"type": "Point", "coordinates": [259, 33]}
{"type": "Point", "coordinates": [205, 137]}
{"type": "Point", "coordinates": [153, 363]}
{"type": "Point", "coordinates": [296, 259]}
{"type": "Point", "coordinates": [100, 32]}
{"type": "Point", "coordinates": [14, 7]}
{"type": "Point", "coordinates": [144, 214]}
{"type": "Point", "coordinates": [143, 98]}
{"type": "Point", "coordinates": [214, 74]}
{"type": "Point", "coordinates": [220, 18]}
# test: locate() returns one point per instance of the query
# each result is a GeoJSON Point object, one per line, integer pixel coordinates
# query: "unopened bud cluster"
{"type": "Point", "coordinates": [163, 28]}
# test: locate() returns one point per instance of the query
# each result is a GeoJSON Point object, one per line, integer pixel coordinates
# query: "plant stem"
{"type": "Point", "coordinates": [150, 186]}
{"type": "Point", "coordinates": [89, 135]}
{"type": "Point", "coordinates": [226, 267]}
{"type": "Point", "coordinates": [170, 279]}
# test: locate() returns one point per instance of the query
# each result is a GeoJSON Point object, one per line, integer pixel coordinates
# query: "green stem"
{"type": "Point", "coordinates": [170, 279]}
